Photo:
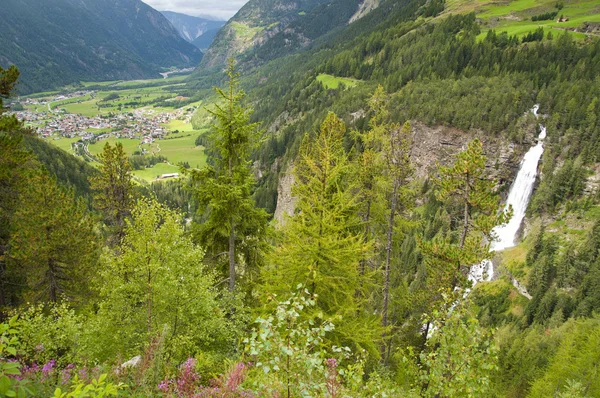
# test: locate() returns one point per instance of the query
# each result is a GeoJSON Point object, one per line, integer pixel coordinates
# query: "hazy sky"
{"type": "Point", "coordinates": [223, 9]}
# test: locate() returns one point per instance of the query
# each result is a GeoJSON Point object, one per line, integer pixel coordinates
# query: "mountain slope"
{"type": "Point", "coordinates": [56, 42]}
{"type": "Point", "coordinates": [268, 29]}
{"type": "Point", "coordinates": [193, 28]}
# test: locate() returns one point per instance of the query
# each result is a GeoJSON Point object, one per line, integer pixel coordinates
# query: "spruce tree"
{"type": "Point", "coordinates": [114, 190]}
{"type": "Point", "coordinates": [230, 222]}
{"type": "Point", "coordinates": [13, 160]}
{"type": "Point", "coordinates": [53, 244]}
{"type": "Point", "coordinates": [322, 245]}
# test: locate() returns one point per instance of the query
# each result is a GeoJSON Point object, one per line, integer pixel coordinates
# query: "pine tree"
{"type": "Point", "coordinates": [13, 160]}
{"type": "Point", "coordinates": [230, 222]}
{"type": "Point", "coordinates": [114, 190]}
{"type": "Point", "coordinates": [464, 185]}
{"type": "Point", "coordinates": [53, 244]}
{"type": "Point", "coordinates": [323, 246]}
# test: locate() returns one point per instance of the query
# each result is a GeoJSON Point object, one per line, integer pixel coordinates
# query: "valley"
{"type": "Point", "coordinates": [80, 120]}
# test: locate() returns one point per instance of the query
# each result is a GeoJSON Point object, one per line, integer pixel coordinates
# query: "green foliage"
{"type": "Point", "coordinates": [9, 344]}
{"type": "Point", "coordinates": [460, 356]}
{"type": "Point", "coordinates": [231, 224]}
{"type": "Point", "coordinates": [51, 332]}
{"type": "Point", "coordinates": [114, 189]}
{"type": "Point", "coordinates": [321, 246]}
{"type": "Point", "coordinates": [98, 388]}
{"type": "Point", "coordinates": [464, 185]}
{"type": "Point", "coordinates": [158, 283]}
{"type": "Point", "coordinates": [53, 247]}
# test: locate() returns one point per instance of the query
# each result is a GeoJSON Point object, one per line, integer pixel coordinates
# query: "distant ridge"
{"type": "Point", "coordinates": [58, 42]}
{"type": "Point", "coordinates": [196, 30]}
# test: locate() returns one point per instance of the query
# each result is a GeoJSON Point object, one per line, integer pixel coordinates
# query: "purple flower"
{"type": "Point", "coordinates": [48, 367]}
{"type": "Point", "coordinates": [66, 374]}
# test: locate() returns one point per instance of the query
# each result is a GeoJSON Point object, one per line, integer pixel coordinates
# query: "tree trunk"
{"type": "Point", "coordinates": [232, 257]}
{"type": "Point", "coordinates": [52, 281]}
{"type": "Point", "coordinates": [388, 259]}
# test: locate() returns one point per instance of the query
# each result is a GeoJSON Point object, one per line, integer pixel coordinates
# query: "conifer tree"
{"type": "Point", "coordinates": [385, 169]}
{"type": "Point", "coordinates": [230, 222]}
{"type": "Point", "coordinates": [323, 246]}
{"type": "Point", "coordinates": [114, 189]}
{"type": "Point", "coordinates": [53, 244]}
{"type": "Point", "coordinates": [464, 185]}
{"type": "Point", "coordinates": [13, 159]}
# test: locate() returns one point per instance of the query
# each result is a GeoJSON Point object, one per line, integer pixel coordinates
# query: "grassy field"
{"type": "Point", "coordinates": [183, 149]}
{"type": "Point", "coordinates": [514, 17]}
{"type": "Point", "coordinates": [332, 82]}
{"type": "Point", "coordinates": [157, 170]}
{"type": "Point", "coordinates": [64, 143]}
{"type": "Point", "coordinates": [129, 145]}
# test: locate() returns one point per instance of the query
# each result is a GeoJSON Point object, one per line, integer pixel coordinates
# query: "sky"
{"type": "Point", "coordinates": [224, 9]}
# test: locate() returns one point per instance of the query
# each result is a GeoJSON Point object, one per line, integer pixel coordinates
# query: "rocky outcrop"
{"type": "Point", "coordinates": [286, 202]}
{"type": "Point", "coordinates": [430, 146]}
{"type": "Point", "coordinates": [440, 144]}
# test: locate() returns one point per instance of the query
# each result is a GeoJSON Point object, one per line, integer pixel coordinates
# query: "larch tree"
{"type": "Point", "coordinates": [53, 245]}
{"type": "Point", "coordinates": [322, 245]}
{"type": "Point", "coordinates": [113, 188]}
{"type": "Point", "coordinates": [385, 169]}
{"type": "Point", "coordinates": [230, 223]}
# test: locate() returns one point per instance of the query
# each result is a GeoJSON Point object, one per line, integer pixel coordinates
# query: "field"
{"type": "Point", "coordinates": [514, 17]}
{"type": "Point", "coordinates": [332, 82]}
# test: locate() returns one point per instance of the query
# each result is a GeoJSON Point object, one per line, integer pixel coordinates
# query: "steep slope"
{"type": "Point", "coordinates": [198, 31]}
{"type": "Point", "coordinates": [266, 29]}
{"type": "Point", "coordinates": [56, 42]}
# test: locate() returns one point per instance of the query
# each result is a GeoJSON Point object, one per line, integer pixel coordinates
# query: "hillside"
{"type": "Point", "coordinates": [266, 29]}
{"type": "Point", "coordinates": [57, 42]}
{"type": "Point", "coordinates": [198, 31]}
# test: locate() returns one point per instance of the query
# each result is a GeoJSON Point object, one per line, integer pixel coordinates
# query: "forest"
{"type": "Point", "coordinates": [190, 288]}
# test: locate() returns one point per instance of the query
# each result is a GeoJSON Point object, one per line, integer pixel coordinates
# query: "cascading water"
{"type": "Point", "coordinates": [518, 198]}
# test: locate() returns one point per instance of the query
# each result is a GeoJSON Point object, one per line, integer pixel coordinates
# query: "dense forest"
{"type": "Point", "coordinates": [189, 288]}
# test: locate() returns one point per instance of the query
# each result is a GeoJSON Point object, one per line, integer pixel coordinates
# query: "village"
{"type": "Point", "coordinates": [144, 124]}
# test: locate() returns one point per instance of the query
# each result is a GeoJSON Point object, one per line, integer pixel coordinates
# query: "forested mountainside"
{"type": "Point", "coordinates": [198, 31]}
{"type": "Point", "coordinates": [266, 29]}
{"type": "Point", "coordinates": [390, 146]}
{"type": "Point", "coordinates": [57, 42]}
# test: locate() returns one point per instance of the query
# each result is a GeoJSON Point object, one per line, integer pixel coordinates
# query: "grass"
{"type": "Point", "coordinates": [514, 17]}
{"type": "Point", "coordinates": [64, 143]}
{"type": "Point", "coordinates": [183, 149]}
{"type": "Point", "coordinates": [158, 169]}
{"type": "Point", "coordinates": [129, 145]}
{"type": "Point", "coordinates": [333, 82]}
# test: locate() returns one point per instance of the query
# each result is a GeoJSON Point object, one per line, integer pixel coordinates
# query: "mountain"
{"type": "Point", "coordinates": [266, 29]}
{"type": "Point", "coordinates": [57, 42]}
{"type": "Point", "coordinates": [196, 30]}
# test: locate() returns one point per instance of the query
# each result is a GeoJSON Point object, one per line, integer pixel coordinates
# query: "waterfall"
{"type": "Point", "coordinates": [518, 198]}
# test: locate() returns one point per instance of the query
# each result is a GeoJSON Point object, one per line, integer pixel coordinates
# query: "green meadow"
{"type": "Point", "coordinates": [333, 82]}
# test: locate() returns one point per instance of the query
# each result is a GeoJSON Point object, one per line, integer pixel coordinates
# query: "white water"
{"type": "Point", "coordinates": [518, 198]}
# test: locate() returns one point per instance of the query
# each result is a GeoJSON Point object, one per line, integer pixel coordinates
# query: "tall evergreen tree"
{"type": "Point", "coordinates": [230, 222]}
{"type": "Point", "coordinates": [114, 190]}
{"type": "Point", "coordinates": [53, 244]}
{"type": "Point", "coordinates": [13, 157]}
{"type": "Point", "coordinates": [322, 245]}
